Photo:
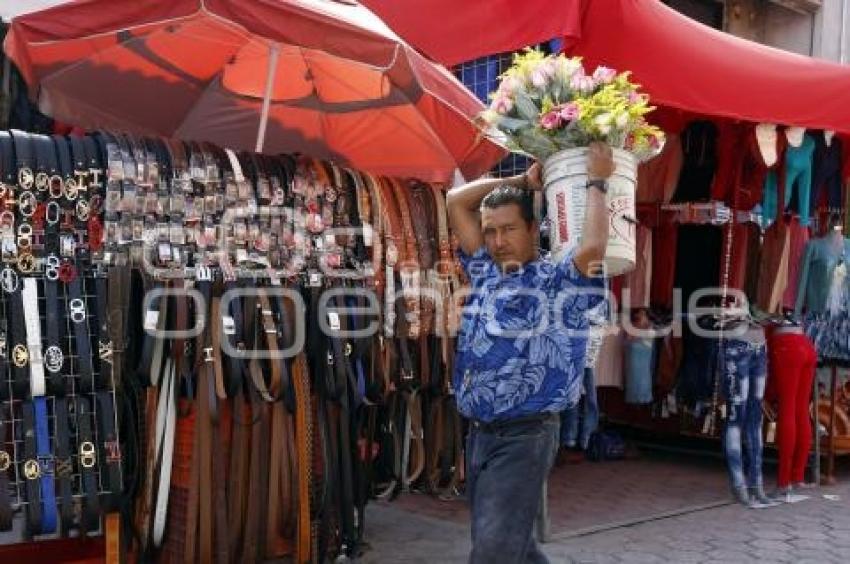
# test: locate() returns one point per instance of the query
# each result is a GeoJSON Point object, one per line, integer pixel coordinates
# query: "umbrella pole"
{"type": "Point", "coordinates": [274, 52]}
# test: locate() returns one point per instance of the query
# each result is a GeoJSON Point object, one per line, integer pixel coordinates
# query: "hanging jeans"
{"type": "Point", "coordinates": [507, 466]}
{"type": "Point", "coordinates": [744, 366]}
{"type": "Point", "coordinates": [578, 422]}
{"type": "Point", "coordinates": [792, 371]}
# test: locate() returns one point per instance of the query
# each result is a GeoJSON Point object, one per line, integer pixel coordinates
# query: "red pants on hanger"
{"type": "Point", "coordinates": [791, 366]}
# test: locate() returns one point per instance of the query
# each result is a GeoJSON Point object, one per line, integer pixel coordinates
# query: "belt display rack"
{"type": "Point", "coordinates": [60, 455]}
{"type": "Point", "coordinates": [276, 330]}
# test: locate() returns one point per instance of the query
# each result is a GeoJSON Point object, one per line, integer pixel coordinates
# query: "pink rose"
{"type": "Point", "coordinates": [580, 82]}
{"type": "Point", "coordinates": [630, 142]}
{"type": "Point", "coordinates": [604, 75]}
{"type": "Point", "coordinates": [550, 120]}
{"type": "Point", "coordinates": [509, 85]}
{"type": "Point", "coordinates": [569, 112]}
{"type": "Point", "coordinates": [539, 78]}
{"type": "Point", "coordinates": [502, 105]}
{"type": "Point", "coordinates": [634, 97]}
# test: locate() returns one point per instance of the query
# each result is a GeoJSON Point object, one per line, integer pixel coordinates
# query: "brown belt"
{"type": "Point", "coordinates": [304, 441]}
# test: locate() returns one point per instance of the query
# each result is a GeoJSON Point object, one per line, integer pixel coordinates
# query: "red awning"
{"type": "Point", "coordinates": [452, 31]}
{"type": "Point", "coordinates": [680, 62]}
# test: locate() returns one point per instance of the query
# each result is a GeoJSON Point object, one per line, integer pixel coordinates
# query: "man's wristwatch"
{"type": "Point", "coordinates": [600, 183]}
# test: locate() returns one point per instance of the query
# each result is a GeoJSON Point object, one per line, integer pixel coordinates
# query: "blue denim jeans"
{"type": "Point", "coordinates": [579, 421]}
{"type": "Point", "coordinates": [744, 373]}
{"type": "Point", "coordinates": [506, 469]}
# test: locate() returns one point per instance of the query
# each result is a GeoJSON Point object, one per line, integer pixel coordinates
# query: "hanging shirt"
{"type": "Point", "coordinates": [821, 257]}
{"type": "Point", "coordinates": [523, 337]}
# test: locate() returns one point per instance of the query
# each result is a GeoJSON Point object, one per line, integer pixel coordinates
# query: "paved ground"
{"type": "Point", "coordinates": [815, 530]}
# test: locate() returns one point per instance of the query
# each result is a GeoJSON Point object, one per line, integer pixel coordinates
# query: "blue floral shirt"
{"type": "Point", "coordinates": [522, 337]}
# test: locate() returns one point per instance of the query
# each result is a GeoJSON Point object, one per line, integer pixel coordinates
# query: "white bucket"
{"type": "Point", "coordinates": [564, 178]}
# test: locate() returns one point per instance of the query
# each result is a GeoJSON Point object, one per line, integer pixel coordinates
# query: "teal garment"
{"type": "Point", "coordinates": [798, 171]}
{"type": "Point", "coordinates": [819, 261]}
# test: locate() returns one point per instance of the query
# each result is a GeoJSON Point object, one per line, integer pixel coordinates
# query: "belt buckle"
{"type": "Point", "coordinates": [32, 470]}
{"type": "Point", "coordinates": [20, 355]}
{"type": "Point", "coordinates": [87, 454]}
{"type": "Point", "coordinates": [26, 178]}
{"type": "Point", "coordinates": [113, 451]}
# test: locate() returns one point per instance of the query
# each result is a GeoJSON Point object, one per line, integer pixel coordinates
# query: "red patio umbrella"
{"type": "Point", "coordinates": [323, 77]}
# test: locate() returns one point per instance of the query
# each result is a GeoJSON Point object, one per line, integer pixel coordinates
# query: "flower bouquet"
{"type": "Point", "coordinates": [548, 107]}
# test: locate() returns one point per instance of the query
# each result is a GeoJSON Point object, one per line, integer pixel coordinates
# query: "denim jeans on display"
{"type": "Point", "coordinates": [744, 367]}
{"type": "Point", "coordinates": [579, 421]}
{"type": "Point", "coordinates": [506, 470]}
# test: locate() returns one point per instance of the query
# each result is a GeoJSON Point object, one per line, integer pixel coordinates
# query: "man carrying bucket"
{"type": "Point", "coordinates": [521, 346]}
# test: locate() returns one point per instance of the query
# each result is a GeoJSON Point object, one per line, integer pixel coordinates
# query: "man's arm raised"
{"type": "Point", "coordinates": [594, 238]}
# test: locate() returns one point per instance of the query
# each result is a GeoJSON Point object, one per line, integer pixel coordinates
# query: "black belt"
{"type": "Point", "coordinates": [5, 350]}
{"type": "Point", "coordinates": [66, 160]}
{"type": "Point", "coordinates": [87, 456]}
{"type": "Point", "coordinates": [78, 154]}
{"type": "Point", "coordinates": [235, 335]}
{"type": "Point", "coordinates": [24, 158]}
{"type": "Point", "coordinates": [54, 356]}
{"type": "Point", "coordinates": [64, 465]}
{"type": "Point", "coordinates": [77, 311]}
{"type": "Point", "coordinates": [110, 450]}
{"type": "Point", "coordinates": [31, 470]}
{"type": "Point", "coordinates": [503, 424]}
{"type": "Point", "coordinates": [18, 352]}
{"type": "Point", "coordinates": [105, 344]}
{"type": "Point", "coordinates": [8, 172]}
{"type": "Point", "coordinates": [5, 464]}
{"type": "Point", "coordinates": [47, 164]}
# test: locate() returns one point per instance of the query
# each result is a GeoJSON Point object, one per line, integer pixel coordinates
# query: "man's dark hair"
{"type": "Point", "coordinates": [504, 195]}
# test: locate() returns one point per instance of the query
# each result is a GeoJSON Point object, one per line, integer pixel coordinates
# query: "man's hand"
{"type": "Point", "coordinates": [534, 177]}
{"type": "Point", "coordinates": [600, 161]}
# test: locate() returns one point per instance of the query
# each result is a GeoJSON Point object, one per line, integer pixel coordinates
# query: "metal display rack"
{"type": "Point", "coordinates": [11, 412]}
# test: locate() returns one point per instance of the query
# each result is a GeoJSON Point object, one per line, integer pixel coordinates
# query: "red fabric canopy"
{"type": "Point", "coordinates": [452, 31]}
{"type": "Point", "coordinates": [680, 62]}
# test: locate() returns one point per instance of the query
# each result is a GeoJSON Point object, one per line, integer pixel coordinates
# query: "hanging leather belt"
{"type": "Point", "coordinates": [17, 347]}
{"type": "Point", "coordinates": [166, 422]}
{"type": "Point", "coordinates": [5, 465]}
{"type": "Point", "coordinates": [212, 501]}
{"type": "Point", "coordinates": [32, 322]}
{"type": "Point", "coordinates": [64, 465]}
{"type": "Point", "coordinates": [8, 168]}
{"type": "Point", "coordinates": [78, 314]}
{"type": "Point", "coordinates": [54, 355]}
{"type": "Point", "coordinates": [87, 458]}
{"type": "Point", "coordinates": [233, 329]}
{"type": "Point", "coordinates": [110, 450]}
{"type": "Point", "coordinates": [104, 338]}
{"type": "Point", "coordinates": [270, 391]}
{"type": "Point", "coordinates": [31, 471]}
{"type": "Point", "coordinates": [37, 390]}
{"type": "Point", "coordinates": [118, 300]}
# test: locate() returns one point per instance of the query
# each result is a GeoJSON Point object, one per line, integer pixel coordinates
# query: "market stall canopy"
{"type": "Point", "coordinates": [452, 32]}
{"type": "Point", "coordinates": [325, 78]}
{"type": "Point", "coordinates": [680, 62]}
